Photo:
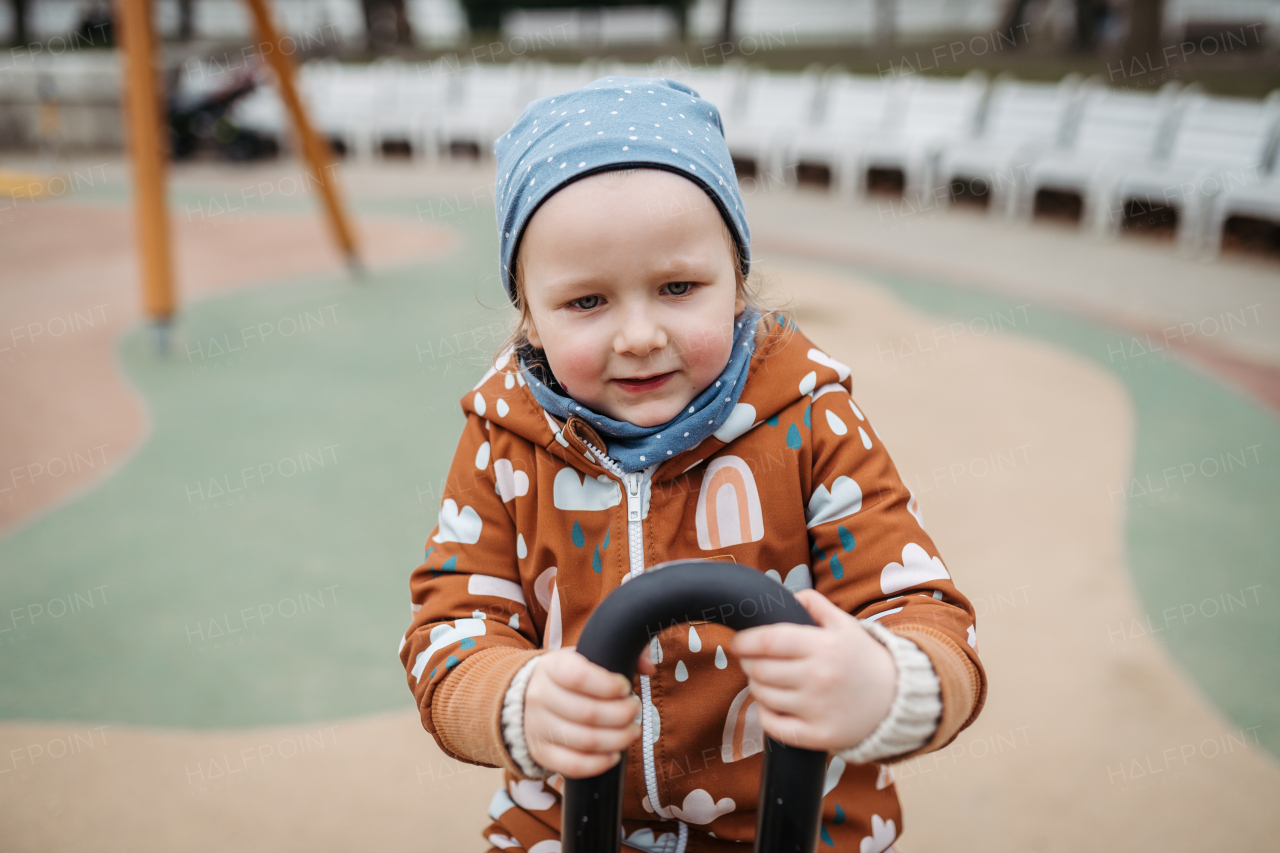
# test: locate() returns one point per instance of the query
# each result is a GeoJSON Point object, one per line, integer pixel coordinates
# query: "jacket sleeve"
{"type": "Point", "coordinates": [872, 557]}
{"type": "Point", "coordinates": [472, 629]}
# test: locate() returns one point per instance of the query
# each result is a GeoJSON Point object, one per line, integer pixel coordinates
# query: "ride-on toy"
{"type": "Point", "coordinates": [790, 802]}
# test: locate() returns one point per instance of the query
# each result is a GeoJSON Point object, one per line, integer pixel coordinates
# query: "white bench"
{"type": "Point", "coordinates": [1216, 143]}
{"type": "Point", "coordinates": [1020, 121]}
{"type": "Point", "coordinates": [775, 108]}
{"type": "Point", "coordinates": [1113, 127]}
{"type": "Point", "coordinates": [483, 101]}
{"type": "Point", "coordinates": [849, 108]}
{"type": "Point", "coordinates": [1257, 200]}
{"type": "Point", "coordinates": [935, 112]}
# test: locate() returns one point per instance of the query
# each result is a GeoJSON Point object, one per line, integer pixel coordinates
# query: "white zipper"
{"type": "Point", "coordinates": [633, 485]}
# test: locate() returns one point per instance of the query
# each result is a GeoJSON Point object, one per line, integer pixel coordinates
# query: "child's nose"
{"type": "Point", "coordinates": [639, 335]}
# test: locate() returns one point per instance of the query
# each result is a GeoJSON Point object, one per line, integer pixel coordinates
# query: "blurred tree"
{"type": "Point", "coordinates": [1089, 16]}
{"type": "Point", "coordinates": [19, 21]}
{"type": "Point", "coordinates": [1015, 13]}
{"type": "Point", "coordinates": [726, 24]}
{"type": "Point", "coordinates": [96, 26]}
{"type": "Point", "coordinates": [1143, 35]}
{"type": "Point", "coordinates": [386, 24]}
{"type": "Point", "coordinates": [886, 21]}
{"type": "Point", "coordinates": [487, 14]}
{"type": "Point", "coordinates": [186, 23]}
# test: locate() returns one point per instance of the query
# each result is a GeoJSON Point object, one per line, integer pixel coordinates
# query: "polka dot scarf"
{"type": "Point", "coordinates": [633, 447]}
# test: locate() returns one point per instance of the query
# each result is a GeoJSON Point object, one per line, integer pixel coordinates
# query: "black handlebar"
{"type": "Point", "coordinates": [790, 803]}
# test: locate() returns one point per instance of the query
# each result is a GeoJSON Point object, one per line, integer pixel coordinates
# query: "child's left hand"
{"type": "Point", "coordinates": [824, 687]}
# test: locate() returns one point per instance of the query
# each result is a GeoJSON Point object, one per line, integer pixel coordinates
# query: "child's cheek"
{"type": "Point", "coordinates": [579, 369]}
{"type": "Point", "coordinates": [705, 351]}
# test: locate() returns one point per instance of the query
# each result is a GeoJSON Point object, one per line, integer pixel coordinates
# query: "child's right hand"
{"type": "Point", "coordinates": [579, 716]}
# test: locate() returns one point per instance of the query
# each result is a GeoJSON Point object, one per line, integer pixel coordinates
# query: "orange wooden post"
{"type": "Point", "coordinates": [148, 152]}
{"type": "Point", "coordinates": [315, 148]}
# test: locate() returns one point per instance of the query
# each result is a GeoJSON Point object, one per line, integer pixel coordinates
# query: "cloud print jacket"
{"type": "Point", "coordinates": [535, 531]}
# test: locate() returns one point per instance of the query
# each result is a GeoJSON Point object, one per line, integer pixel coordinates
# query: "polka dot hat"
{"type": "Point", "coordinates": [613, 123]}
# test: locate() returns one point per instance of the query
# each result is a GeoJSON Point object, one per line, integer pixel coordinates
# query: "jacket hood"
{"type": "Point", "coordinates": [786, 366]}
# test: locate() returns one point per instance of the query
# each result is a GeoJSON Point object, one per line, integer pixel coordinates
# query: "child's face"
{"type": "Point", "coordinates": [632, 292]}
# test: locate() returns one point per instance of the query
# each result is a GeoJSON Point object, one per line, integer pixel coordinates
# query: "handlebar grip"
{"type": "Point", "coordinates": [789, 807]}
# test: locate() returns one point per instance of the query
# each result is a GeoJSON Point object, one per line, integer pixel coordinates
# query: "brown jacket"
{"type": "Point", "coordinates": [534, 533]}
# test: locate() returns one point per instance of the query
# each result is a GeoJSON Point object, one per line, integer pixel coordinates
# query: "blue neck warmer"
{"type": "Point", "coordinates": [635, 448]}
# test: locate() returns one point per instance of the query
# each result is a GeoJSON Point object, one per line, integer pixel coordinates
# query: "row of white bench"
{"type": "Point", "coordinates": [1125, 157]}
{"type": "Point", "coordinates": [1121, 155]}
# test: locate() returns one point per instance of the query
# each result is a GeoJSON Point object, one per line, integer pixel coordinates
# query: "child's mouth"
{"type": "Point", "coordinates": [647, 383]}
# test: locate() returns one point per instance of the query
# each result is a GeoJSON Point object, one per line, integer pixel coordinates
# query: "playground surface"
{"type": "Point", "coordinates": [205, 555]}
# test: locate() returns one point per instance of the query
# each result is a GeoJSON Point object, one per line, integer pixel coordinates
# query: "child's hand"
{"type": "Point", "coordinates": [579, 716]}
{"type": "Point", "coordinates": [824, 687]}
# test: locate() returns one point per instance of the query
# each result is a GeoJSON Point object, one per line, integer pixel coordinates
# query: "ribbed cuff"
{"type": "Point", "coordinates": [960, 678]}
{"type": "Point", "coordinates": [917, 704]}
{"type": "Point", "coordinates": [465, 712]}
{"type": "Point", "coordinates": [513, 723]}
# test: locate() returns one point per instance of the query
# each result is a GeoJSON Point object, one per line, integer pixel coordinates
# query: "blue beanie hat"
{"type": "Point", "coordinates": [613, 123]}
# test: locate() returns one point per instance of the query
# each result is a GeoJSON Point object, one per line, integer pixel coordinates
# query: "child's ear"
{"type": "Point", "coordinates": [738, 305]}
{"type": "Point", "coordinates": [532, 334]}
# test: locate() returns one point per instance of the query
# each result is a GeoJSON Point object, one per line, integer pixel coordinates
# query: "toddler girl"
{"type": "Point", "coordinates": [649, 412]}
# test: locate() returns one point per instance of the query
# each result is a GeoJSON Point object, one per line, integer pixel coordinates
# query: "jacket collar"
{"type": "Point", "coordinates": [786, 367]}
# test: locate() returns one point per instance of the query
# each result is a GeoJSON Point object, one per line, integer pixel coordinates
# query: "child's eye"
{"type": "Point", "coordinates": [679, 288]}
{"type": "Point", "coordinates": [586, 303]}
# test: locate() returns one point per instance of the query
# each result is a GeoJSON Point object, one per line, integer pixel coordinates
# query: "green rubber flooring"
{"type": "Point", "coordinates": [1203, 506]}
{"type": "Point", "coordinates": [249, 564]}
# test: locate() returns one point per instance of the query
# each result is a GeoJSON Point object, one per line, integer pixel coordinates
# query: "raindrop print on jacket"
{"type": "Point", "coordinates": [535, 529]}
